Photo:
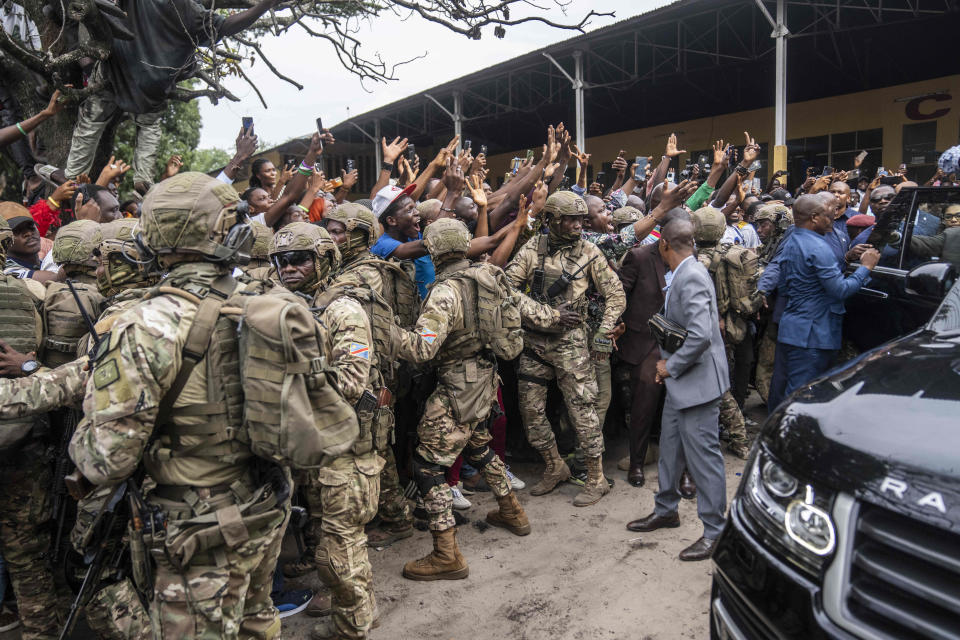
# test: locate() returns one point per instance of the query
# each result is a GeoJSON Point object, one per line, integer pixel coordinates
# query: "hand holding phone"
{"type": "Point", "coordinates": [247, 124]}
{"type": "Point", "coordinates": [411, 152]}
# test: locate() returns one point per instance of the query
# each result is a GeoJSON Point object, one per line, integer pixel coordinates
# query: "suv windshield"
{"type": "Point", "coordinates": [947, 317]}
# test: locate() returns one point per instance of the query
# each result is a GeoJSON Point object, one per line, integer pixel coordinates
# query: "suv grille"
{"type": "Point", "coordinates": [904, 576]}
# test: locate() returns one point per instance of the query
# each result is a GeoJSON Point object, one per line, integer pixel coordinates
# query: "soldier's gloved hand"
{"type": "Point", "coordinates": [601, 342]}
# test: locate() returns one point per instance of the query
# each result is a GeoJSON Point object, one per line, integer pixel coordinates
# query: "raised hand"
{"type": "Point", "coordinates": [393, 150]}
{"type": "Point", "coordinates": [453, 177]}
{"type": "Point", "coordinates": [751, 150]}
{"type": "Point", "coordinates": [671, 150]}
{"type": "Point", "coordinates": [676, 196]}
{"type": "Point", "coordinates": [475, 186]}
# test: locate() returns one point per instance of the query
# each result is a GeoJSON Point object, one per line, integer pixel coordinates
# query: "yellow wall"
{"type": "Point", "coordinates": [878, 108]}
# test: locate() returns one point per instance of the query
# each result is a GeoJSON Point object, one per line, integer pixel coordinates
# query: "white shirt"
{"type": "Point", "coordinates": [747, 236]}
{"type": "Point", "coordinates": [15, 21]}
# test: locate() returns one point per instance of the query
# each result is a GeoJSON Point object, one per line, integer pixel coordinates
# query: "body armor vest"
{"type": "Point", "coordinates": [63, 323]}
{"type": "Point", "coordinates": [548, 274]}
{"type": "Point", "coordinates": [398, 289]}
{"type": "Point", "coordinates": [464, 342]}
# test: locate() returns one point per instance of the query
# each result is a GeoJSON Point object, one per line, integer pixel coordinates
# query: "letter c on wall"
{"type": "Point", "coordinates": [913, 107]}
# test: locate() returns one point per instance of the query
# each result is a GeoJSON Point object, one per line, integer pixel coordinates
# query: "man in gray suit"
{"type": "Point", "coordinates": [696, 377]}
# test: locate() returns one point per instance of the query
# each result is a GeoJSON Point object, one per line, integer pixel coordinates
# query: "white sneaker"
{"type": "Point", "coordinates": [459, 502]}
{"type": "Point", "coordinates": [515, 483]}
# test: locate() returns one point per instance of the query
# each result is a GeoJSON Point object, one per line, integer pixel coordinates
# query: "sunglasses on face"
{"type": "Point", "coordinates": [292, 258]}
{"type": "Point", "coordinates": [951, 216]}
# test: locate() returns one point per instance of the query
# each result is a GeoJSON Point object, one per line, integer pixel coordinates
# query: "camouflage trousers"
{"type": "Point", "coordinates": [765, 355]}
{"type": "Point", "coordinates": [348, 491]}
{"type": "Point", "coordinates": [25, 509]}
{"type": "Point", "coordinates": [732, 419]}
{"type": "Point", "coordinates": [567, 358]}
{"type": "Point", "coordinates": [116, 613]}
{"type": "Point", "coordinates": [449, 428]}
{"type": "Point", "coordinates": [602, 374]}
{"type": "Point", "coordinates": [393, 506]}
{"type": "Point", "coordinates": [225, 591]}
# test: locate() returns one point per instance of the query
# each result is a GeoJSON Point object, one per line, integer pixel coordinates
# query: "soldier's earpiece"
{"type": "Point", "coordinates": [146, 255]}
{"type": "Point", "coordinates": [236, 246]}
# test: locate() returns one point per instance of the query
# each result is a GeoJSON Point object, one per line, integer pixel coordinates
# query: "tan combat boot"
{"type": "Point", "coordinates": [555, 472]}
{"type": "Point", "coordinates": [596, 486]}
{"type": "Point", "coordinates": [510, 515]}
{"type": "Point", "coordinates": [444, 563]}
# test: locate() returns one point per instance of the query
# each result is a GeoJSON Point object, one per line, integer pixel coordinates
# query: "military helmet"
{"type": "Point", "coordinates": [306, 236]}
{"type": "Point", "coordinates": [446, 235]}
{"type": "Point", "coordinates": [361, 225]}
{"type": "Point", "coordinates": [6, 237]}
{"type": "Point", "coordinates": [771, 212]}
{"type": "Point", "coordinates": [75, 243]}
{"type": "Point", "coordinates": [626, 215]}
{"type": "Point", "coordinates": [262, 235]}
{"type": "Point", "coordinates": [565, 203]}
{"type": "Point", "coordinates": [709, 225]}
{"type": "Point", "coordinates": [123, 265]}
{"type": "Point", "coordinates": [194, 214]}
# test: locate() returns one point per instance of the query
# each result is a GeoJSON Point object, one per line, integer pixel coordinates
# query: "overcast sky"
{"type": "Point", "coordinates": [333, 93]}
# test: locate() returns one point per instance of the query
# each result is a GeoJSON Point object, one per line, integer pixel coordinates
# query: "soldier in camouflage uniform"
{"type": "Point", "coordinates": [541, 266]}
{"type": "Point", "coordinates": [354, 229]}
{"type": "Point", "coordinates": [25, 471]}
{"type": "Point", "coordinates": [115, 611]}
{"type": "Point", "coordinates": [625, 216]}
{"type": "Point", "coordinates": [73, 250]}
{"type": "Point", "coordinates": [165, 388]}
{"type": "Point", "coordinates": [454, 420]}
{"type": "Point", "coordinates": [259, 267]}
{"type": "Point", "coordinates": [709, 225]}
{"type": "Point", "coordinates": [344, 492]}
{"type": "Point", "coordinates": [780, 219]}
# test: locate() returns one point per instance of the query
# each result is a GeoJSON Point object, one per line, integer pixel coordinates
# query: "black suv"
{"type": "Point", "coordinates": [847, 521]}
{"type": "Point", "coordinates": [915, 228]}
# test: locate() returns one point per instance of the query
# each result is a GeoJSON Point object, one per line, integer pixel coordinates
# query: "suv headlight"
{"type": "Point", "coordinates": [787, 515]}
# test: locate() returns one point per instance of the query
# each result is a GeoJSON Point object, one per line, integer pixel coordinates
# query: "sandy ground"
{"type": "Point", "coordinates": [579, 575]}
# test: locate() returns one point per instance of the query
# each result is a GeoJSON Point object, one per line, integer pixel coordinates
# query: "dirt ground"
{"type": "Point", "coordinates": [580, 575]}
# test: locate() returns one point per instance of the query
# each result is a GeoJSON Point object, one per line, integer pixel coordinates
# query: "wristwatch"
{"type": "Point", "coordinates": [29, 367]}
{"type": "Point", "coordinates": [742, 170]}
{"type": "Point", "coordinates": [386, 166]}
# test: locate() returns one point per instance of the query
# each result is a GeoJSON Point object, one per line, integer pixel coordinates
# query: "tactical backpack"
{"type": "Point", "coordinates": [495, 315]}
{"type": "Point", "coordinates": [373, 411]}
{"type": "Point", "coordinates": [291, 413]}
{"type": "Point", "coordinates": [734, 269]}
{"type": "Point", "coordinates": [63, 323]}
{"type": "Point", "coordinates": [399, 291]}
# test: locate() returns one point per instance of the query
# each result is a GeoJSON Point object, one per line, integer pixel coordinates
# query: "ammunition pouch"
{"type": "Point", "coordinates": [471, 387]}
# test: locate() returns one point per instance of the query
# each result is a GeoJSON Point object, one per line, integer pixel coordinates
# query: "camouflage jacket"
{"type": "Point", "coordinates": [597, 273]}
{"type": "Point", "coordinates": [349, 347]}
{"type": "Point", "coordinates": [131, 373]}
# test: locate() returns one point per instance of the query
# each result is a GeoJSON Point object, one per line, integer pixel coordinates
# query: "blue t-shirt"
{"type": "Point", "coordinates": [424, 273]}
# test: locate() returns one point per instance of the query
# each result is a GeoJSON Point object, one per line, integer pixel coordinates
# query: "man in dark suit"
{"type": "Point", "coordinates": [696, 377]}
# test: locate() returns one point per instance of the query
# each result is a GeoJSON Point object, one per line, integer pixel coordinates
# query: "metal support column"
{"type": "Point", "coordinates": [456, 116]}
{"type": "Point", "coordinates": [780, 33]}
{"type": "Point", "coordinates": [376, 144]}
{"type": "Point", "coordinates": [578, 86]}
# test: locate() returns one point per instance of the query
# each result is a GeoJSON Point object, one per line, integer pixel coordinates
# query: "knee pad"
{"type": "Point", "coordinates": [427, 474]}
{"type": "Point", "coordinates": [479, 457]}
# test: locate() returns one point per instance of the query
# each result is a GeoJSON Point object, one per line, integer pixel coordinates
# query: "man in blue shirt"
{"type": "Point", "coordinates": [815, 288]}
{"type": "Point", "coordinates": [398, 214]}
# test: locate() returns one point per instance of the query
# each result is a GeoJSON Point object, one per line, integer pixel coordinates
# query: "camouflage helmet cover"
{"type": "Point", "coordinates": [446, 235]}
{"type": "Point", "coordinates": [771, 212]}
{"type": "Point", "coordinates": [262, 235]}
{"type": "Point", "coordinates": [626, 215]}
{"type": "Point", "coordinates": [709, 225]}
{"type": "Point", "coordinates": [306, 236]}
{"type": "Point", "coordinates": [76, 242]}
{"type": "Point", "coordinates": [121, 258]}
{"type": "Point", "coordinates": [192, 213]}
{"type": "Point", "coordinates": [356, 218]}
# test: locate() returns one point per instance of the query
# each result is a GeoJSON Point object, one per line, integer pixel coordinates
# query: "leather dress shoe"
{"type": "Point", "coordinates": [635, 475]}
{"type": "Point", "coordinates": [653, 522]}
{"type": "Point", "coordinates": [688, 490]}
{"type": "Point", "coordinates": [699, 550]}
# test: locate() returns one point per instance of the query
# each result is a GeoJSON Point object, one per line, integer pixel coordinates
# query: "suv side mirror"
{"type": "Point", "coordinates": [931, 279]}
